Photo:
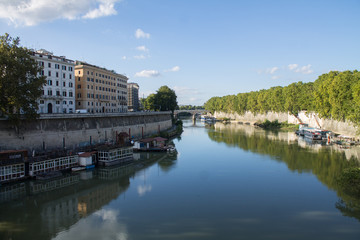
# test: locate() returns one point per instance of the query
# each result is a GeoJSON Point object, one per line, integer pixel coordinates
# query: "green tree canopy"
{"type": "Point", "coordinates": [20, 85]}
{"type": "Point", "coordinates": [163, 100]}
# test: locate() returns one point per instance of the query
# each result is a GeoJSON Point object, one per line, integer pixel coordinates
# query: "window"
{"type": "Point", "coordinates": [79, 72]}
{"type": "Point", "coordinates": [57, 83]}
{"type": "Point", "coordinates": [42, 73]}
{"type": "Point", "coordinates": [78, 79]}
{"type": "Point", "coordinates": [70, 68]}
{"type": "Point", "coordinates": [88, 79]}
{"type": "Point", "coordinates": [49, 64]}
{"type": "Point", "coordinates": [70, 94]}
{"type": "Point", "coordinates": [64, 76]}
{"type": "Point", "coordinates": [57, 93]}
{"type": "Point", "coordinates": [58, 102]}
{"type": "Point", "coordinates": [79, 86]}
{"type": "Point", "coordinates": [64, 93]}
{"type": "Point", "coordinates": [57, 74]}
{"type": "Point", "coordinates": [64, 84]}
{"type": "Point", "coordinates": [70, 84]}
{"type": "Point", "coordinates": [49, 73]}
{"type": "Point", "coordinates": [64, 67]}
{"type": "Point", "coordinates": [64, 102]}
{"type": "Point", "coordinates": [49, 82]}
{"type": "Point", "coordinates": [57, 66]}
{"type": "Point", "coordinates": [79, 95]}
{"type": "Point", "coordinates": [41, 101]}
{"type": "Point", "coordinates": [50, 92]}
{"type": "Point", "coordinates": [71, 102]}
{"type": "Point", "coordinates": [70, 76]}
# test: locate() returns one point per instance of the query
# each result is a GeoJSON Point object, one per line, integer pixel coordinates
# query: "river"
{"type": "Point", "coordinates": [225, 182]}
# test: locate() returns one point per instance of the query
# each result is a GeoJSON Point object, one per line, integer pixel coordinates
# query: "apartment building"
{"type": "Point", "coordinates": [59, 91]}
{"type": "Point", "coordinates": [99, 90]}
{"type": "Point", "coordinates": [133, 97]}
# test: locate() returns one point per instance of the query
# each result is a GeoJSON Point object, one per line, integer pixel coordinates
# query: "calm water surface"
{"type": "Point", "coordinates": [226, 182]}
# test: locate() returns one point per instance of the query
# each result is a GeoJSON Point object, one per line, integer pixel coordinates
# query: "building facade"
{"type": "Point", "coordinates": [99, 90]}
{"type": "Point", "coordinates": [59, 91]}
{"type": "Point", "coordinates": [133, 97]}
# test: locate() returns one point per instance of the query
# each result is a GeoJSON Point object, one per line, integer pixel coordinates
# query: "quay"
{"type": "Point", "coordinates": [72, 131]}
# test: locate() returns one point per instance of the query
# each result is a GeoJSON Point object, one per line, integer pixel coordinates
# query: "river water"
{"type": "Point", "coordinates": [225, 182]}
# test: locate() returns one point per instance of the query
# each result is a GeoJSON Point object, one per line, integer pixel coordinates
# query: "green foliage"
{"type": "Point", "coordinates": [20, 85]}
{"type": "Point", "coordinates": [163, 100]}
{"type": "Point", "coordinates": [190, 107]}
{"type": "Point", "coordinates": [333, 95]}
{"type": "Point", "coordinates": [350, 180]}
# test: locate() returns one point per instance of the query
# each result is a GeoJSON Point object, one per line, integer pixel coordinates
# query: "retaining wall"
{"type": "Point", "coordinates": [345, 128]}
{"type": "Point", "coordinates": [74, 130]}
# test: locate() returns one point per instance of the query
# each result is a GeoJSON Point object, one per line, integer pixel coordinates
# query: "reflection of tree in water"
{"type": "Point", "coordinates": [326, 165]}
{"type": "Point", "coordinates": [168, 163]}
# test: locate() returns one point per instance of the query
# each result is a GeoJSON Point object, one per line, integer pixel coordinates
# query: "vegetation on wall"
{"type": "Point", "coordinates": [333, 95]}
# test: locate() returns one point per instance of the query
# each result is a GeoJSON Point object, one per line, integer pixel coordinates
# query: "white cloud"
{"type": "Point", "coordinates": [174, 69]}
{"type": "Point", "coordinates": [143, 189]}
{"type": "Point", "coordinates": [141, 34]}
{"type": "Point", "coordinates": [305, 69]}
{"type": "Point", "coordinates": [293, 66]}
{"type": "Point", "coordinates": [124, 57]}
{"type": "Point", "coordinates": [272, 70]}
{"type": "Point", "coordinates": [275, 77]}
{"type": "Point", "coordinates": [147, 73]}
{"type": "Point", "coordinates": [142, 48]}
{"type": "Point", "coordinates": [139, 57]}
{"type": "Point", "coordinates": [33, 12]}
{"type": "Point", "coordinates": [106, 8]}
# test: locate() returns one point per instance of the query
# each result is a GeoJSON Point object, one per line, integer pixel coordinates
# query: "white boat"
{"type": "Point", "coordinates": [76, 169]}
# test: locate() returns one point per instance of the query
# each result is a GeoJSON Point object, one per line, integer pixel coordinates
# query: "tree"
{"type": "Point", "coordinates": [165, 99]}
{"type": "Point", "coordinates": [20, 85]}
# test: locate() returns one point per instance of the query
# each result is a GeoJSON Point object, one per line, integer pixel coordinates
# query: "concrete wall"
{"type": "Point", "coordinates": [344, 128]}
{"type": "Point", "coordinates": [74, 130]}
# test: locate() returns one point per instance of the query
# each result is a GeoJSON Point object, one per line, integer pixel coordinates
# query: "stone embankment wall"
{"type": "Point", "coordinates": [344, 128]}
{"type": "Point", "coordinates": [75, 130]}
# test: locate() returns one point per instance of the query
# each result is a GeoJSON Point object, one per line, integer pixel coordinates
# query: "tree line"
{"type": "Point", "coordinates": [333, 95]}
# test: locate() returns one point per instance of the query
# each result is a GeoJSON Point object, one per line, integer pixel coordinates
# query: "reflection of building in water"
{"type": "Point", "coordinates": [45, 186]}
{"type": "Point", "coordinates": [116, 172]}
{"type": "Point", "coordinates": [42, 210]}
{"type": "Point", "coordinates": [12, 192]}
{"type": "Point", "coordinates": [90, 202]}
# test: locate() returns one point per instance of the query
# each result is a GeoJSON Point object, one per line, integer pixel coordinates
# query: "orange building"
{"type": "Point", "coordinates": [99, 90]}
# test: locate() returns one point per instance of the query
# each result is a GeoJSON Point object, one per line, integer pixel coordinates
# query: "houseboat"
{"type": "Point", "coordinates": [12, 165]}
{"type": "Point", "coordinates": [42, 165]}
{"type": "Point", "coordinates": [156, 144]}
{"type": "Point", "coordinates": [112, 155]}
{"type": "Point", "coordinates": [88, 159]}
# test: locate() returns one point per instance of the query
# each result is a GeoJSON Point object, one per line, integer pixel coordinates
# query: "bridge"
{"type": "Point", "coordinates": [194, 113]}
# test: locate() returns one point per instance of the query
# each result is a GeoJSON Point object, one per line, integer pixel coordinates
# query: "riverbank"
{"type": "Point", "coordinates": [71, 131]}
{"type": "Point", "coordinates": [312, 119]}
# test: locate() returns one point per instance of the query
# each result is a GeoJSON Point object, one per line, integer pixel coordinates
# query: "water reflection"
{"type": "Point", "coordinates": [60, 208]}
{"type": "Point", "coordinates": [325, 162]}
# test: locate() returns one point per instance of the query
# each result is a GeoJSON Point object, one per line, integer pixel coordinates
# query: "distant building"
{"type": "Point", "coordinates": [133, 97]}
{"type": "Point", "coordinates": [59, 91]}
{"type": "Point", "coordinates": [99, 90]}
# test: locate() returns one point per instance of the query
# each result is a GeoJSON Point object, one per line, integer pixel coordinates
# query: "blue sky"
{"type": "Point", "coordinates": [199, 48]}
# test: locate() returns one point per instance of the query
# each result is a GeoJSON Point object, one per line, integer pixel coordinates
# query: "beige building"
{"type": "Point", "coordinates": [133, 97]}
{"type": "Point", "coordinates": [99, 90]}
